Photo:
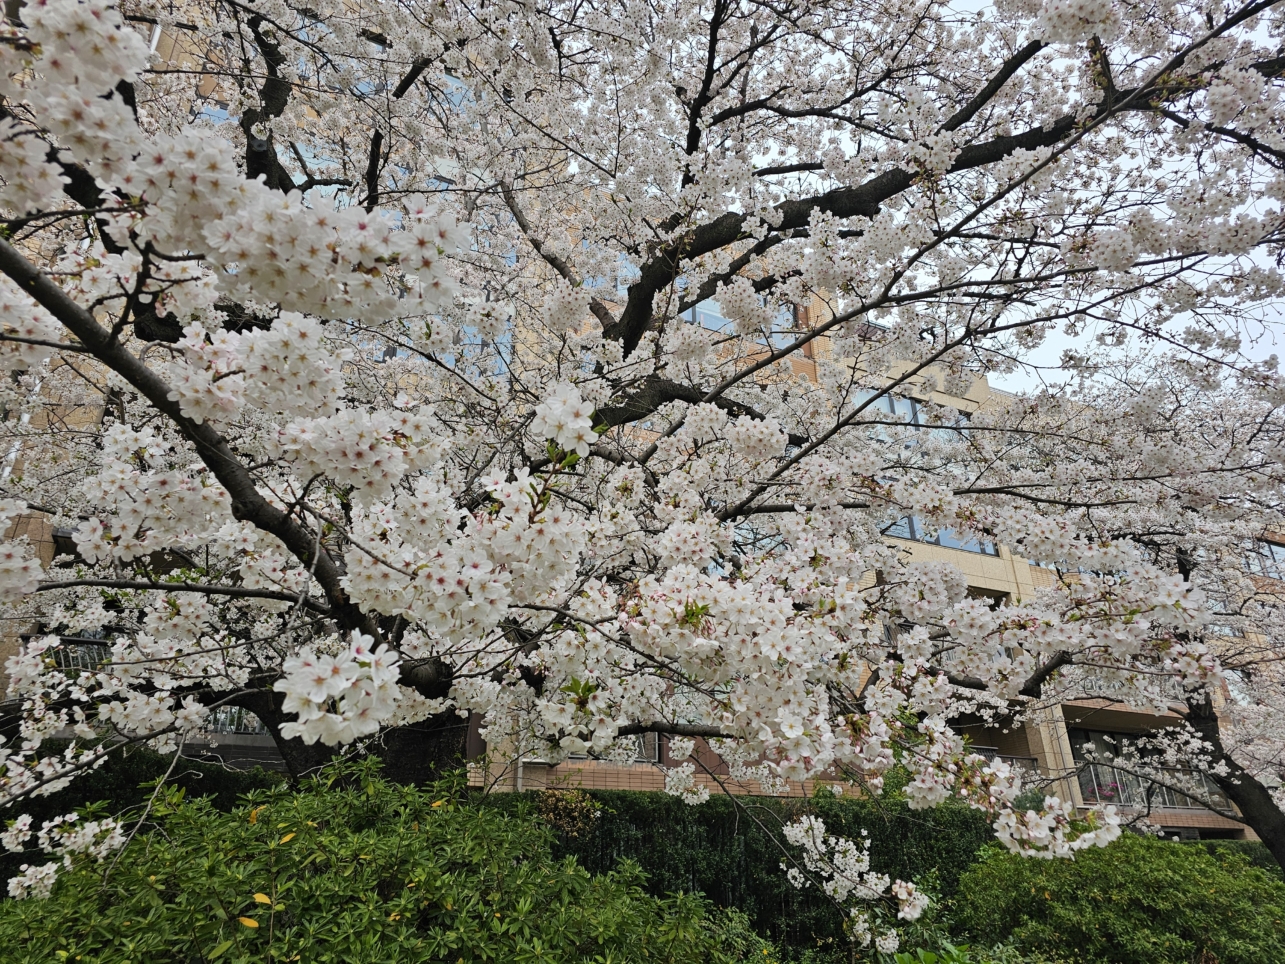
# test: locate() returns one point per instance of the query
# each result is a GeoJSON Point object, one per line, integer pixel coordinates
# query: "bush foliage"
{"type": "Point", "coordinates": [729, 851]}
{"type": "Point", "coordinates": [126, 780]}
{"type": "Point", "coordinates": [350, 868]}
{"type": "Point", "coordinates": [1138, 900]}
{"type": "Point", "coordinates": [588, 875]}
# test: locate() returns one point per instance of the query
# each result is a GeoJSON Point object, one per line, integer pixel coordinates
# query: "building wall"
{"type": "Point", "coordinates": [1041, 745]}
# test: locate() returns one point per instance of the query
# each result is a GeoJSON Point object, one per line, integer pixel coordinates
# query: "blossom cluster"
{"type": "Point", "coordinates": [1073, 21]}
{"type": "Point", "coordinates": [756, 439]}
{"type": "Point", "coordinates": [285, 369]}
{"type": "Point", "coordinates": [67, 836]}
{"type": "Point", "coordinates": [339, 697]}
{"type": "Point", "coordinates": [842, 868]}
{"type": "Point", "coordinates": [371, 452]}
{"type": "Point", "coordinates": [744, 306]}
{"type": "Point", "coordinates": [1052, 832]}
{"type": "Point", "coordinates": [19, 568]}
{"type": "Point", "coordinates": [681, 782]}
{"type": "Point", "coordinates": [566, 418]}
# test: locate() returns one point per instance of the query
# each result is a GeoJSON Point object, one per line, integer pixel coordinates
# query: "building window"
{"type": "Point", "coordinates": [709, 314]}
{"type": "Point", "coordinates": [1101, 783]}
{"type": "Point", "coordinates": [648, 749]}
{"type": "Point", "coordinates": [913, 530]}
{"type": "Point", "coordinates": [1267, 559]}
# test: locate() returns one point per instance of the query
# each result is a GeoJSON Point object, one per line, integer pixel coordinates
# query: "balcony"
{"type": "Point", "coordinates": [233, 721]}
{"type": "Point", "coordinates": [1103, 784]}
{"type": "Point", "coordinates": [1026, 765]}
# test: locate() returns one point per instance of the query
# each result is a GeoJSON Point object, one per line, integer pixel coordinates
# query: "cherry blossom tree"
{"type": "Point", "coordinates": [388, 310]}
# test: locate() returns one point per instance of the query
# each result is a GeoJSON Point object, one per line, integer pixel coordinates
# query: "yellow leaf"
{"type": "Point", "coordinates": [248, 921]}
{"type": "Point", "coordinates": [254, 814]}
{"type": "Point", "coordinates": [262, 899]}
{"type": "Point", "coordinates": [394, 916]}
{"type": "Point", "coordinates": [287, 838]}
{"type": "Point", "coordinates": [438, 803]}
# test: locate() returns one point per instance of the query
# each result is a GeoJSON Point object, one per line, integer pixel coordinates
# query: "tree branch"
{"type": "Point", "coordinates": [656, 390]}
{"type": "Point", "coordinates": [552, 259]}
{"type": "Point", "coordinates": [236, 592]}
{"type": "Point", "coordinates": [248, 505]}
{"type": "Point", "coordinates": [673, 729]}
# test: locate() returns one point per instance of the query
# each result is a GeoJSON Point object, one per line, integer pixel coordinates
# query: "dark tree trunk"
{"type": "Point", "coordinates": [1254, 800]}
{"type": "Point", "coordinates": [300, 759]}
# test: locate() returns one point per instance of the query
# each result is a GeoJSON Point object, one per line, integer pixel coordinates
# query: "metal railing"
{"type": "Point", "coordinates": [1104, 784]}
{"type": "Point", "coordinates": [80, 655]}
{"type": "Point", "coordinates": [1026, 764]}
{"type": "Point", "coordinates": [233, 720]}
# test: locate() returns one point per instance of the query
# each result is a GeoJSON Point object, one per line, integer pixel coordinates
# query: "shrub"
{"type": "Point", "coordinates": [126, 780]}
{"type": "Point", "coordinates": [726, 849]}
{"type": "Point", "coordinates": [352, 869]}
{"type": "Point", "coordinates": [1255, 851]}
{"type": "Point", "coordinates": [947, 953]}
{"type": "Point", "coordinates": [1139, 900]}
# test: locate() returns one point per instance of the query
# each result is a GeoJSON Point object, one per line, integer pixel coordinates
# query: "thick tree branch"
{"type": "Point", "coordinates": [248, 505]}
{"type": "Point", "coordinates": [374, 163]}
{"type": "Point", "coordinates": [235, 592]}
{"type": "Point", "coordinates": [673, 729]}
{"type": "Point", "coordinates": [656, 390]}
{"type": "Point", "coordinates": [1031, 689]}
{"type": "Point", "coordinates": [261, 153]}
{"type": "Point", "coordinates": [1002, 76]}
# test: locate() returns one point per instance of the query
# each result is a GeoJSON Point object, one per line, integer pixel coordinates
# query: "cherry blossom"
{"type": "Point", "coordinates": [595, 370]}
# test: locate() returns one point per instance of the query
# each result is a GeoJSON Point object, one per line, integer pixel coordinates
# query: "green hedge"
{"type": "Point", "coordinates": [351, 869]}
{"type": "Point", "coordinates": [1255, 851]}
{"type": "Point", "coordinates": [726, 850]}
{"type": "Point", "coordinates": [1138, 900]}
{"type": "Point", "coordinates": [124, 782]}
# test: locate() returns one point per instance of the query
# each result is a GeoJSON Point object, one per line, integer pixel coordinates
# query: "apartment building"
{"type": "Point", "coordinates": [1050, 746]}
{"type": "Point", "coordinates": [1054, 746]}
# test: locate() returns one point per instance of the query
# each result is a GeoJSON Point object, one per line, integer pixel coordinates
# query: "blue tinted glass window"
{"type": "Point", "coordinates": [903, 528]}
{"type": "Point", "coordinates": [1268, 559]}
{"type": "Point", "coordinates": [913, 530]}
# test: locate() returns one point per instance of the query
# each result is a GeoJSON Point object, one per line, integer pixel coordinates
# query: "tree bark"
{"type": "Point", "coordinates": [1254, 800]}
{"type": "Point", "coordinates": [301, 760]}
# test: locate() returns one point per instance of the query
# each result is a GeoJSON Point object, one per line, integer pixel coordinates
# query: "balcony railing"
{"type": "Point", "coordinates": [1026, 764]}
{"type": "Point", "coordinates": [80, 654]}
{"type": "Point", "coordinates": [1102, 784]}
{"type": "Point", "coordinates": [233, 720]}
